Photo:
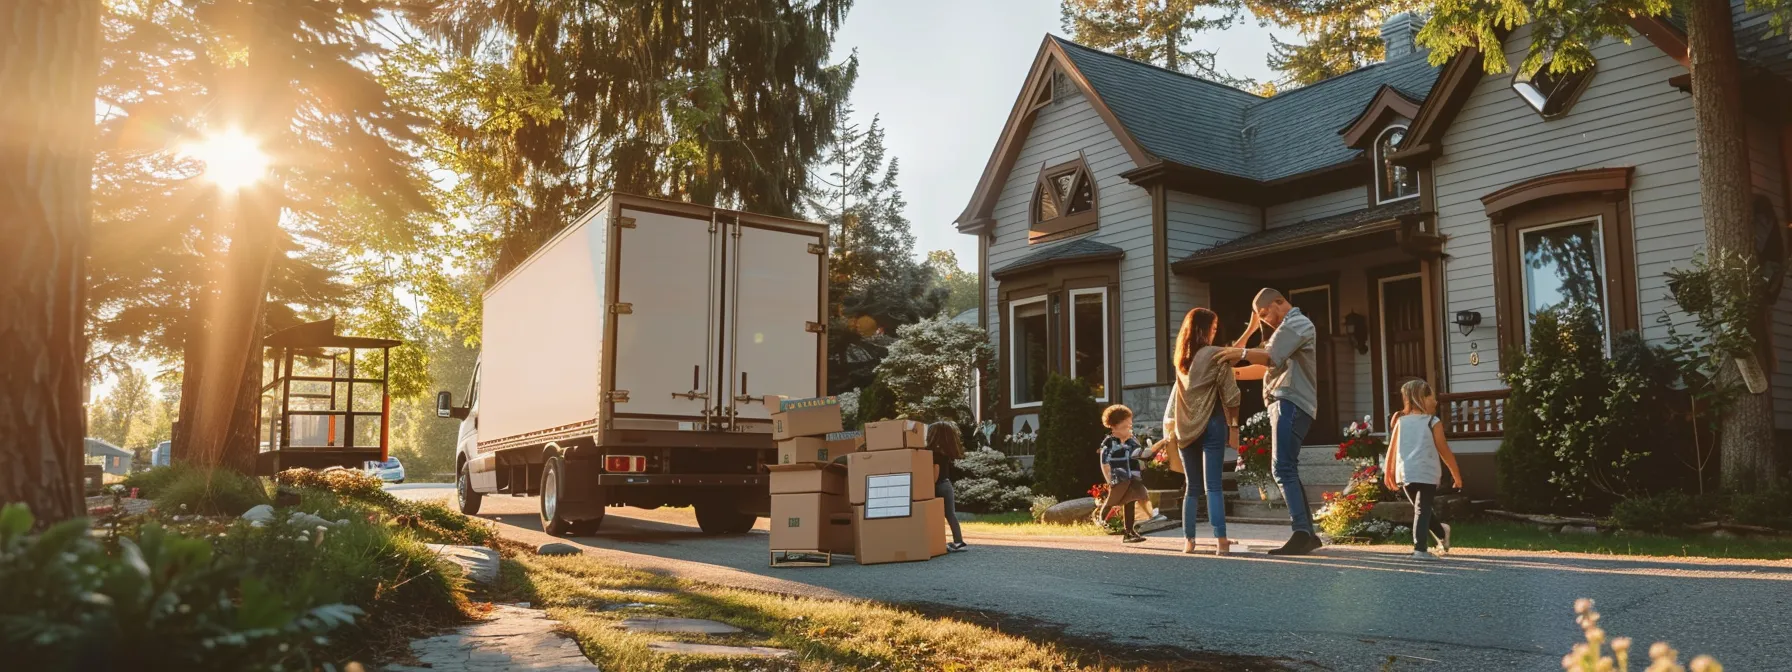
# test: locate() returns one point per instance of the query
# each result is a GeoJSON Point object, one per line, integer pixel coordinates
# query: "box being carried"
{"type": "Point", "coordinates": [895, 435]}
{"type": "Point", "coordinates": [811, 522]}
{"type": "Point", "coordinates": [918, 535]}
{"type": "Point", "coordinates": [816, 416]}
{"type": "Point", "coordinates": [917, 465]}
{"type": "Point", "coordinates": [790, 479]}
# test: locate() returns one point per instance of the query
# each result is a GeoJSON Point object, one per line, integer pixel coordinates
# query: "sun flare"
{"type": "Point", "coordinates": [232, 159]}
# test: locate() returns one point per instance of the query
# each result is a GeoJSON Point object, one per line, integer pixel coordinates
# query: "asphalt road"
{"type": "Point", "coordinates": [1344, 609]}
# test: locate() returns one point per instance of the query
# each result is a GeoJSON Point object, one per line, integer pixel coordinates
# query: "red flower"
{"type": "Point", "coordinates": [1330, 495]}
{"type": "Point", "coordinates": [1368, 507]}
{"type": "Point", "coordinates": [1262, 451]}
{"type": "Point", "coordinates": [1351, 496]}
{"type": "Point", "coordinates": [1243, 447]}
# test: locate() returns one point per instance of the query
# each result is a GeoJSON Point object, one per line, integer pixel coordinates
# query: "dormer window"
{"type": "Point", "coordinates": [1392, 182]}
{"type": "Point", "coordinates": [1063, 201]}
{"type": "Point", "coordinates": [1551, 94]}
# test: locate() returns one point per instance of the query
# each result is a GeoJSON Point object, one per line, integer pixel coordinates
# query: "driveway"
{"type": "Point", "coordinates": [1348, 608]}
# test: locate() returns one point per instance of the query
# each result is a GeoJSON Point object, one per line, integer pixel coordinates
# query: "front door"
{"type": "Point", "coordinates": [1316, 303]}
{"type": "Point", "coordinates": [1402, 340]}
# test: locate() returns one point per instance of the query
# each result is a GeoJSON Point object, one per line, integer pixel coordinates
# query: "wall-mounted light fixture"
{"type": "Point", "coordinates": [1358, 327]}
{"type": "Point", "coordinates": [1467, 320]}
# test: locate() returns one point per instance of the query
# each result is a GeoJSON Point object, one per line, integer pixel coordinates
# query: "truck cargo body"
{"type": "Point", "coordinates": [624, 362]}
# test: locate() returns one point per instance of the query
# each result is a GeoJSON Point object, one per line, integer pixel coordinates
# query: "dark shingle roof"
{"type": "Point", "coordinates": [1202, 124]}
{"type": "Point", "coordinates": [1308, 232]}
{"type": "Point", "coordinates": [1081, 249]}
{"type": "Point", "coordinates": [105, 448]}
{"type": "Point", "coordinates": [1759, 44]}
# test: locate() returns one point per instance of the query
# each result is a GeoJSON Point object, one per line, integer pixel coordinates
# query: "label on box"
{"type": "Point", "coordinates": [794, 522]}
{"type": "Point", "coordinates": [842, 436]}
{"type": "Point", "coordinates": [887, 496]}
{"type": "Point", "coordinates": [786, 405]}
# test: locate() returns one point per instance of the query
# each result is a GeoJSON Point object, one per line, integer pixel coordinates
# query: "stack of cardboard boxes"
{"type": "Point", "coordinates": [896, 517]}
{"type": "Point", "coordinates": [810, 514]}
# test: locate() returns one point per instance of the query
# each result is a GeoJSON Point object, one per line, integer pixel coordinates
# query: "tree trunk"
{"type": "Point", "coordinates": [242, 445]}
{"type": "Point", "coordinates": [231, 340]}
{"type": "Point", "coordinates": [48, 64]}
{"type": "Point", "coordinates": [1745, 442]}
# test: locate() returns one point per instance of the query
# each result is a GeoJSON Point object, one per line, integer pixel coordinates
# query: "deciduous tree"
{"type": "Point", "coordinates": [1159, 32]}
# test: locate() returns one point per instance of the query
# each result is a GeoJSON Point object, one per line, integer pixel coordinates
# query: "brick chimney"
{"type": "Point", "coordinates": [1397, 32]}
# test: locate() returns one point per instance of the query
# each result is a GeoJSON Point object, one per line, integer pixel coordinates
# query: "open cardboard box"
{"type": "Point", "coordinates": [817, 416]}
{"type": "Point", "coordinates": [793, 479]}
{"type": "Point", "coordinates": [895, 435]}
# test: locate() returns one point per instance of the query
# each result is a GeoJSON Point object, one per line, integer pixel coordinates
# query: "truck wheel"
{"type": "Point", "coordinates": [553, 483]}
{"type": "Point", "coordinates": [463, 491]}
{"type": "Point", "coordinates": [723, 517]}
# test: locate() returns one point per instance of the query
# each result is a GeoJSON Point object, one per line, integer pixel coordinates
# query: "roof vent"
{"type": "Point", "coordinates": [1397, 32]}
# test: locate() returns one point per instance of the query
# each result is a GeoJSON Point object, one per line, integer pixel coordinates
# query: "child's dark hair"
{"type": "Point", "coordinates": [942, 438]}
{"type": "Point", "coordinates": [1114, 415]}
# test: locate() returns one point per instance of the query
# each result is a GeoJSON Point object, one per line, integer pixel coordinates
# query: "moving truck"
{"type": "Point", "coordinates": [626, 363]}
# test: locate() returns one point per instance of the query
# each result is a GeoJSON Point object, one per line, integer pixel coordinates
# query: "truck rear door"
{"type": "Point", "coordinates": [776, 299]}
{"type": "Point", "coordinates": [666, 315]}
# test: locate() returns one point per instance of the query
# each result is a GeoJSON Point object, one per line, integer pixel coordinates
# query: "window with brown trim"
{"type": "Point", "coordinates": [1064, 199]}
{"type": "Point", "coordinates": [1563, 240]}
{"type": "Point", "coordinates": [1392, 182]}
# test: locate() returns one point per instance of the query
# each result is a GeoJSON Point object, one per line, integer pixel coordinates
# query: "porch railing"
{"type": "Point", "coordinates": [1474, 415]}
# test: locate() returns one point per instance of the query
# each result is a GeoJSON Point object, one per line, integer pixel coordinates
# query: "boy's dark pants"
{"type": "Point", "coordinates": [1424, 514]}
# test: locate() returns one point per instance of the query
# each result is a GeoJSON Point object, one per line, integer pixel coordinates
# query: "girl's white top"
{"type": "Point", "coordinates": [1419, 462]}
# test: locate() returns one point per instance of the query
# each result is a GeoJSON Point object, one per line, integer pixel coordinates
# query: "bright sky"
{"type": "Point", "coordinates": [943, 75]}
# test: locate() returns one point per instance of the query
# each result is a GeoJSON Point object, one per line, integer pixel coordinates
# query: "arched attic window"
{"type": "Point", "coordinates": [1392, 182]}
{"type": "Point", "coordinates": [1064, 201]}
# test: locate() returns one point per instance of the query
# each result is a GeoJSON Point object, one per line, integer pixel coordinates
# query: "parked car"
{"type": "Point", "coordinates": [390, 471]}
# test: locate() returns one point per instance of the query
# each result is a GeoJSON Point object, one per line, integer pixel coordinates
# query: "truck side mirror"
{"type": "Point", "coordinates": [444, 404]}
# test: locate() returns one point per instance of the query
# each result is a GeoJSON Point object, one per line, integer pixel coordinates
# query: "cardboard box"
{"type": "Point", "coordinates": [840, 444]}
{"type": "Point", "coordinates": [806, 417]}
{"type": "Point", "coordinates": [936, 533]}
{"type": "Point", "coordinates": [794, 479]}
{"type": "Point", "coordinates": [917, 463]}
{"type": "Point", "coordinates": [904, 539]}
{"type": "Point", "coordinates": [805, 522]}
{"type": "Point", "coordinates": [839, 538]}
{"type": "Point", "coordinates": [895, 435]}
{"type": "Point", "coordinates": [805, 449]}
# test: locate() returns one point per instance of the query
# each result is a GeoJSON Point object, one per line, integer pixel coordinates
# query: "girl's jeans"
{"type": "Point", "coordinates": [943, 489]}
{"type": "Point", "coordinates": [1424, 514]}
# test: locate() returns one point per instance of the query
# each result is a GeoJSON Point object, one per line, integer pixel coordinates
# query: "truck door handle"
{"type": "Point", "coordinates": [696, 378]}
{"type": "Point", "coordinates": [743, 397]}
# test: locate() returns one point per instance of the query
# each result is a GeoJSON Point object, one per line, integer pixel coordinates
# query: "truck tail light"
{"type": "Point", "coordinates": [625, 464]}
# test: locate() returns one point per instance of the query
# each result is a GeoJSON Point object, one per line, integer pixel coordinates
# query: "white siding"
{"type": "Point", "coordinates": [1062, 129]}
{"type": "Point", "coordinates": [1315, 207]}
{"type": "Point", "coordinates": [1764, 158]}
{"type": "Point", "coordinates": [1197, 223]}
{"type": "Point", "coordinates": [1628, 116]}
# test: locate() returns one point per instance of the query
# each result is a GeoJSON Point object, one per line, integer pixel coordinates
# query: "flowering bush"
{"type": "Point", "coordinates": [1253, 452]}
{"type": "Point", "coordinates": [1589, 656]}
{"type": "Point", "coordinates": [1346, 514]}
{"type": "Point", "coordinates": [1361, 445]}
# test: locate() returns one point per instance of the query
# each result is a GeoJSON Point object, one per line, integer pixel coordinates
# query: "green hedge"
{"type": "Point", "coordinates": [1067, 458]}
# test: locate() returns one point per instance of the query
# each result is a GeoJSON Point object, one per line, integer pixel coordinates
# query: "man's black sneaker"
{"type": "Point", "coordinates": [1301, 543]}
{"type": "Point", "coordinates": [1132, 539]}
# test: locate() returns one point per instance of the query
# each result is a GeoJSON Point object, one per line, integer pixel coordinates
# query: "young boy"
{"type": "Point", "coordinates": [1120, 463]}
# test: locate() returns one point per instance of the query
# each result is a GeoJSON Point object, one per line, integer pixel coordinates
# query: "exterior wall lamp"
{"type": "Point", "coordinates": [1358, 327]}
{"type": "Point", "coordinates": [1467, 320]}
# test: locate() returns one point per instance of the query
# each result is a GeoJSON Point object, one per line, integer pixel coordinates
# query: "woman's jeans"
{"type": "Point", "coordinates": [943, 490]}
{"type": "Point", "coordinates": [1205, 455]}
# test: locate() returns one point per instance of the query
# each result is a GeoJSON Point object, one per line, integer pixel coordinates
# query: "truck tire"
{"type": "Point", "coordinates": [723, 517]}
{"type": "Point", "coordinates": [553, 483]}
{"type": "Point", "coordinates": [464, 493]}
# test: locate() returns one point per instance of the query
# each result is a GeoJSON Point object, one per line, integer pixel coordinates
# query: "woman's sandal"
{"type": "Point", "coordinates": [1188, 546]}
{"type": "Point", "coordinates": [1225, 546]}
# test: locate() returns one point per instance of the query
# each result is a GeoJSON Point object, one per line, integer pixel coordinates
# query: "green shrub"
{"type": "Point", "coordinates": [218, 492]}
{"type": "Point", "coordinates": [1669, 511]}
{"type": "Point", "coordinates": [160, 602]}
{"type": "Point", "coordinates": [151, 483]}
{"type": "Point", "coordinates": [930, 368]}
{"type": "Point", "coordinates": [1579, 425]}
{"type": "Point", "coordinates": [1067, 455]}
{"type": "Point", "coordinates": [876, 402]}
{"type": "Point", "coordinates": [1768, 508]}
{"type": "Point", "coordinates": [991, 482]}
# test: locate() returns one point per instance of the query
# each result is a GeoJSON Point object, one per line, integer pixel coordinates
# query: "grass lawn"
{"type": "Point", "coordinates": [590, 597]}
{"type": "Point", "coordinates": [1020, 523]}
{"type": "Point", "coordinates": [1524, 537]}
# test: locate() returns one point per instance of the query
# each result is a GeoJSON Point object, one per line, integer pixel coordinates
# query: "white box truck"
{"type": "Point", "coordinates": [626, 361]}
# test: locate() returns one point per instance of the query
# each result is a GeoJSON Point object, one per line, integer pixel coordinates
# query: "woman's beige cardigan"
{"type": "Point", "coordinates": [1192, 400]}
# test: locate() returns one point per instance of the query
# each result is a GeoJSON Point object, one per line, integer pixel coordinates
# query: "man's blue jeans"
{"type": "Point", "coordinates": [1288, 426]}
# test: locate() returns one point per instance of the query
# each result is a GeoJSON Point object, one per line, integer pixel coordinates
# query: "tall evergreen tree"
{"type": "Point", "coordinates": [875, 285]}
{"type": "Point", "coordinates": [47, 65]}
{"type": "Point", "coordinates": [1333, 45]}
{"type": "Point", "coordinates": [723, 102]}
{"type": "Point", "coordinates": [1562, 37]}
{"type": "Point", "coordinates": [1159, 32]}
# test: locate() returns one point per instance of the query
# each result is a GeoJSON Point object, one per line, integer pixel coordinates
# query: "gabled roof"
{"type": "Point", "coordinates": [1202, 124]}
{"type": "Point", "coordinates": [1081, 249]}
{"type": "Point", "coordinates": [101, 447]}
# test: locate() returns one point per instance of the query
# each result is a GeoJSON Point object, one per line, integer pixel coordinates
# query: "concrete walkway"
{"type": "Point", "coordinates": [515, 638]}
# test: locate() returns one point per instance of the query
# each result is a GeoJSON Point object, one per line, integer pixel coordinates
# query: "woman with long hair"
{"type": "Point", "coordinates": [942, 439]}
{"type": "Point", "coordinates": [1200, 421]}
